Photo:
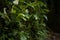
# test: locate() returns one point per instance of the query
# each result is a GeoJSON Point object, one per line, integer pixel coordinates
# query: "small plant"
{"type": "Point", "coordinates": [24, 20]}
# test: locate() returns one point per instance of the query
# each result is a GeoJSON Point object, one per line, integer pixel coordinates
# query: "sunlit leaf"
{"type": "Point", "coordinates": [26, 11]}
{"type": "Point", "coordinates": [45, 17]}
{"type": "Point", "coordinates": [21, 15]}
{"type": "Point", "coordinates": [36, 18]}
{"type": "Point", "coordinates": [16, 2]}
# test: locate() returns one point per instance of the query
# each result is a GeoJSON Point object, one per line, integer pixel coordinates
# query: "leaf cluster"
{"type": "Point", "coordinates": [24, 20]}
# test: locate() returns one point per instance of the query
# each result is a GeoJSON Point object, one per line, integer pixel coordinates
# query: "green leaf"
{"type": "Point", "coordinates": [36, 17]}
{"type": "Point", "coordinates": [1, 14]}
{"type": "Point", "coordinates": [23, 35]}
{"type": "Point", "coordinates": [24, 19]}
{"type": "Point", "coordinates": [21, 1]}
{"type": "Point", "coordinates": [21, 14]}
{"type": "Point", "coordinates": [26, 11]}
{"type": "Point", "coordinates": [13, 11]}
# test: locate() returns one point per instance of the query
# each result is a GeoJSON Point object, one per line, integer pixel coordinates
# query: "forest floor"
{"type": "Point", "coordinates": [54, 36]}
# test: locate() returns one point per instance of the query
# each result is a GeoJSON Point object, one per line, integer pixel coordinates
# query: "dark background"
{"type": "Point", "coordinates": [54, 15]}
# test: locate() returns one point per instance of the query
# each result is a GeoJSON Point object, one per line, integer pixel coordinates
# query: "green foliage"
{"type": "Point", "coordinates": [24, 21]}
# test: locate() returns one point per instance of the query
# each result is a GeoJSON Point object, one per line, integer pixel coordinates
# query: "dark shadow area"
{"type": "Point", "coordinates": [54, 15]}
